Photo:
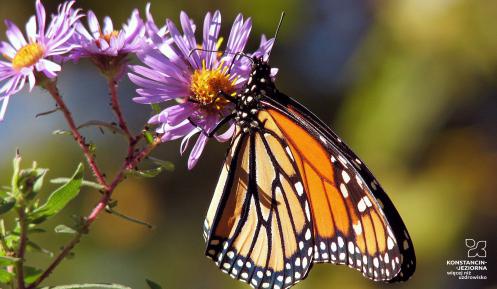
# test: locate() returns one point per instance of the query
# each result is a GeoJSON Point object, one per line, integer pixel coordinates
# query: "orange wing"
{"type": "Point", "coordinates": [349, 224]}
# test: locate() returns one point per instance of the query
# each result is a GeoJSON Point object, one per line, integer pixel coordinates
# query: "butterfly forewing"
{"type": "Point", "coordinates": [342, 155]}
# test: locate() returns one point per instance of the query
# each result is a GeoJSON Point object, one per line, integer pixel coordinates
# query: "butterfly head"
{"type": "Point", "coordinates": [260, 82]}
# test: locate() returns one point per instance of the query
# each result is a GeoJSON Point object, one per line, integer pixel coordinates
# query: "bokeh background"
{"type": "Point", "coordinates": [411, 85]}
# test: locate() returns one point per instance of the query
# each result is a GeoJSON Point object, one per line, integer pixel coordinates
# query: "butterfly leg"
{"type": "Point", "coordinates": [216, 128]}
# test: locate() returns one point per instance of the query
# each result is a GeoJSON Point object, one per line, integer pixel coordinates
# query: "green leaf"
{"type": "Point", "coordinates": [89, 184]}
{"type": "Point", "coordinates": [6, 260]}
{"type": "Point", "coordinates": [31, 274]}
{"type": "Point", "coordinates": [148, 136]}
{"type": "Point", "coordinates": [59, 198]}
{"type": "Point", "coordinates": [167, 165]}
{"type": "Point", "coordinates": [152, 284]}
{"type": "Point", "coordinates": [151, 173]}
{"type": "Point", "coordinates": [39, 249]}
{"type": "Point", "coordinates": [15, 174]}
{"type": "Point", "coordinates": [6, 205]}
{"type": "Point", "coordinates": [5, 277]}
{"type": "Point", "coordinates": [30, 181]}
{"type": "Point", "coordinates": [89, 285]}
{"type": "Point", "coordinates": [65, 229]}
{"type": "Point", "coordinates": [128, 218]}
{"type": "Point", "coordinates": [156, 108]}
{"type": "Point", "coordinates": [61, 132]}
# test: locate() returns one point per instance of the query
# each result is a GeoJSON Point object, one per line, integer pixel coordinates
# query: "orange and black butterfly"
{"type": "Point", "coordinates": [292, 193]}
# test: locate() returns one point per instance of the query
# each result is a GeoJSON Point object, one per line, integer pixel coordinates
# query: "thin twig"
{"type": "Point", "coordinates": [131, 161]}
{"type": "Point", "coordinates": [100, 207]}
{"type": "Point", "coordinates": [116, 107]}
{"type": "Point", "coordinates": [23, 241]}
{"type": "Point", "coordinates": [52, 89]}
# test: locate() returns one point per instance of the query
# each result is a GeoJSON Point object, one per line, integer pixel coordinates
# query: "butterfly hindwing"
{"type": "Point", "coordinates": [257, 227]}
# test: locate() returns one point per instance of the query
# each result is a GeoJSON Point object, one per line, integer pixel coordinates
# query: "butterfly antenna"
{"type": "Point", "coordinates": [277, 31]}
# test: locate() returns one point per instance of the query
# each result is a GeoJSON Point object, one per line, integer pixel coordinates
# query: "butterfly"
{"type": "Point", "coordinates": [291, 193]}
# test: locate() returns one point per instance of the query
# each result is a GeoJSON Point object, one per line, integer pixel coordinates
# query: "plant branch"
{"type": "Point", "coordinates": [99, 208]}
{"type": "Point", "coordinates": [53, 90]}
{"type": "Point", "coordinates": [23, 240]}
{"type": "Point", "coordinates": [116, 107]}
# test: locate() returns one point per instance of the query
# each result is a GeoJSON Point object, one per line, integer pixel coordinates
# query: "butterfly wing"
{"type": "Point", "coordinates": [355, 222]}
{"type": "Point", "coordinates": [258, 228]}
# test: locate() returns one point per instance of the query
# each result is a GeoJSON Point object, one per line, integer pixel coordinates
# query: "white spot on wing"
{"type": "Point", "coordinates": [343, 190]}
{"type": "Point", "coordinates": [345, 176]}
{"type": "Point", "coordinates": [299, 188]}
{"type": "Point", "coordinates": [289, 152]}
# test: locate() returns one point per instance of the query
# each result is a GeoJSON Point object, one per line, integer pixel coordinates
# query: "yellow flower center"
{"type": "Point", "coordinates": [107, 37]}
{"type": "Point", "coordinates": [206, 85]}
{"type": "Point", "coordinates": [27, 56]}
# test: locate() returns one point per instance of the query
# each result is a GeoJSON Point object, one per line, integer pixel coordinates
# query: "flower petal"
{"type": "Point", "coordinates": [197, 151]}
{"type": "Point", "coordinates": [3, 109]}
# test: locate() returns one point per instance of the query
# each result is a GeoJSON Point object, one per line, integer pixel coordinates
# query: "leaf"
{"type": "Point", "coordinates": [6, 205]}
{"type": "Point", "coordinates": [128, 218]}
{"type": "Point", "coordinates": [5, 277]}
{"type": "Point", "coordinates": [59, 198]}
{"type": "Point", "coordinates": [151, 173]}
{"type": "Point", "coordinates": [6, 260]}
{"type": "Point", "coordinates": [15, 174]}
{"type": "Point", "coordinates": [39, 249]}
{"type": "Point", "coordinates": [101, 124]}
{"type": "Point", "coordinates": [47, 112]}
{"type": "Point", "coordinates": [31, 274]}
{"type": "Point", "coordinates": [65, 229]}
{"type": "Point", "coordinates": [156, 108]}
{"type": "Point", "coordinates": [89, 285]}
{"type": "Point", "coordinates": [30, 181]}
{"type": "Point", "coordinates": [148, 136]}
{"type": "Point", "coordinates": [61, 132]}
{"type": "Point", "coordinates": [152, 284]}
{"type": "Point", "coordinates": [85, 183]}
{"type": "Point", "coordinates": [167, 165]}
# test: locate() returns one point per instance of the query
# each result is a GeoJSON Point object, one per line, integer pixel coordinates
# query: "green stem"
{"type": "Point", "coordinates": [23, 240]}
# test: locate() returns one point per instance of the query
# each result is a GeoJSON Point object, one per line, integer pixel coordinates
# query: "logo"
{"type": "Point", "coordinates": [476, 248]}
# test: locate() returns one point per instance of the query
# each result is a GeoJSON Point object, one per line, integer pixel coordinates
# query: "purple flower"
{"type": "Point", "coordinates": [26, 57]}
{"type": "Point", "coordinates": [179, 68]}
{"type": "Point", "coordinates": [106, 41]}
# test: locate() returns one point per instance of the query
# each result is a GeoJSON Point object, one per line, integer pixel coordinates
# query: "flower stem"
{"type": "Point", "coordinates": [116, 107]}
{"type": "Point", "coordinates": [23, 240]}
{"type": "Point", "coordinates": [53, 90]}
{"type": "Point", "coordinates": [132, 160]}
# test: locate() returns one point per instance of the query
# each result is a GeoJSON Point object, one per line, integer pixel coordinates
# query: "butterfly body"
{"type": "Point", "coordinates": [292, 194]}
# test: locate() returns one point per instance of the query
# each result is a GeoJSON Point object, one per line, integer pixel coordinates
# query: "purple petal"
{"type": "Point", "coordinates": [197, 151]}
{"type": "Point", "coordinates": [227, 134]}
{"type": "Point", "coordinates": [212, 25]}
{"type": "Point", "coordinates": [41, 17]}
{"type": "Point", "coordinates": [93, 24]}
{"type": "Point", "coordinates": [108, 26]}
{"type": "Point", "coordinates": [3, 109]}
{"type": "Point", "coordinates": [14, 35]}
{"type": "Point", "coordinates": [186, 140]}
{"type": "Point", "coordinates": [31, 29]}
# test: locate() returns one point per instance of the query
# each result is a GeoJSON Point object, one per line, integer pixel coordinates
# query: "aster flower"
{"type": "Point", "coordinates": [106, 46]}
{"type": "Point", "coordinates": [191, 73]}
{"type": "Point", "coordinates": [28, 57]}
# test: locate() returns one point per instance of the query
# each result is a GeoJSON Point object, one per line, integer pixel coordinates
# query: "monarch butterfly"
{"type": "Point", "coordinates": [291, 193]}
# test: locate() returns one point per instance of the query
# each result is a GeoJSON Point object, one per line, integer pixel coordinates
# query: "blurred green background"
{"type": "Point", "coordinates": [411, 85]}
